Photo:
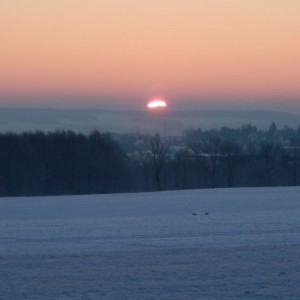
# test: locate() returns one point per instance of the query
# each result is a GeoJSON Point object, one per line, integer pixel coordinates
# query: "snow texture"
{"type": "Point", "coordinates": [197, 244]}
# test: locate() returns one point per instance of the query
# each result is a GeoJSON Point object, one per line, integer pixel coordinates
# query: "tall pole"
{"type": "Point", "coordinates": [165, 128]}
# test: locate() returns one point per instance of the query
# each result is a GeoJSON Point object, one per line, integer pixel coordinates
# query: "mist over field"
{"type": "Point", "coordinates": [139, 121]}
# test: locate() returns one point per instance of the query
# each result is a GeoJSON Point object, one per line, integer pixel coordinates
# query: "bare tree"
{"type": "Point", "coordinates": [267, 167]}
{"type": "Point", "coordinates": [230, 153]}
{"type": "Point", "coordinates": [211, 149]}
{"type": "Point", "coordinates": [294, 150]}
{"type": "Point", "coordinates": [159, 151]}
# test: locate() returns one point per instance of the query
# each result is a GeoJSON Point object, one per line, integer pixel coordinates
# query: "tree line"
{"type": "Point", "coordinates": [65, 162]}
{"type": "Point", "coordinates": [61, 163]}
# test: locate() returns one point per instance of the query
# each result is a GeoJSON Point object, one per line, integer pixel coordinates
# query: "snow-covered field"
{"type": "Point", "coordinates": [152, 245]}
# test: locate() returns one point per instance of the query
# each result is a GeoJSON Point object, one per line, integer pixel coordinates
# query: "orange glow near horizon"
{"type": "Point", "coordinates": [210, 49]}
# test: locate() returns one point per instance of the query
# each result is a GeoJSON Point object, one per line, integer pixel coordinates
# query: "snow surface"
{"type": "Point", "coordinates": [152, 245]}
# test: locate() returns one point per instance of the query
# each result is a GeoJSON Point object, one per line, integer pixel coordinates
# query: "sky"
{"type": "Point", "coordinates": [119, 53]}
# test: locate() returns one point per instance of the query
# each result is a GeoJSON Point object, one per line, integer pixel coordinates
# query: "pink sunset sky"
{"type": "Point", "coordinates": [108, 53]}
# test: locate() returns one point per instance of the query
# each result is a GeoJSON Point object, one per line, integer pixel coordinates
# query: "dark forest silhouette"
{"type": "Point", "coordinates": [65, 162]}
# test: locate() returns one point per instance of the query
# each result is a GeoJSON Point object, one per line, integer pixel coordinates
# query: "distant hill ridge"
{"type": "Point", "coordinates": [85, 120]}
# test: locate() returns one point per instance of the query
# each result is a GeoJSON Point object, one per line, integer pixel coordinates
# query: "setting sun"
{"type": "Point", "coordinates": [157, 103]}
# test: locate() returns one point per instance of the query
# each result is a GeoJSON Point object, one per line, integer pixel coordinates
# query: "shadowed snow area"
{"type": "Point", "coordinates": [198, 244]}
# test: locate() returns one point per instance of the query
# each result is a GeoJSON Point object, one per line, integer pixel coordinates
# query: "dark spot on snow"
{"type": "Point", "coordinates": [206, 213]}
{"type": "Point", "coordinates": [194, 214]}
{"type": "Point", "coordinates": [282, 273]}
